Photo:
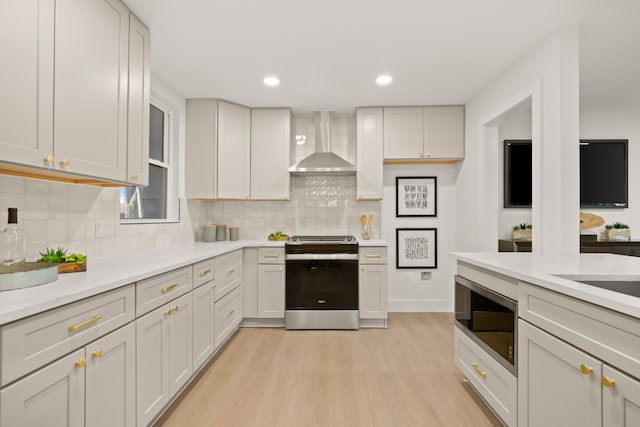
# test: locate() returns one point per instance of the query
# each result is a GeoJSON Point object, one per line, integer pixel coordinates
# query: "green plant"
{"type": "Point", "coordinates": [523, 226]}
{"type": "Point", "coordinates": [60, 255]}
{"type": "Point", "coordinates": [53, 255]}
{"type": "Point", "coordinates": [277, 234]}
{"type": "Point", "coordinates": [616, 225]}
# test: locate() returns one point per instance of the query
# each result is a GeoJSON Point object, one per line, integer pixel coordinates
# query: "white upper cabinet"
{"type": "Point", "coordinates": [270, 153]}
{"type": "Point", "coordinates": [234, 158]}
{"type": "Point", "coordinates": [369, 145]}
{"type": "Point", "coordinates": [26, 81]}
{"type": "Point", "coordinates": [91, 75]}
{"type": "Point", "coordinates": [138, 110]}
{"type": "Point", "coordinates": [424, 133]}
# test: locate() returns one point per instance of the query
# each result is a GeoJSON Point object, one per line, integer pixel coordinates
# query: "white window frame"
{"type": "Point", "coordinates": [170, 163]}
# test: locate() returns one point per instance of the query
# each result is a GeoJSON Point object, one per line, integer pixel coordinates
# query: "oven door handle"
{"type": "Point", "coordinates": [321, 257]}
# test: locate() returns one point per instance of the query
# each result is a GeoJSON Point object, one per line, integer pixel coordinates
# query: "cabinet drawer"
{"type": "Point", "coordinates": [610, 336]}
{"type": "Point", "coordinates": [158, 290]}
{"type": "Point", "coordinates": [37, 340]}
{"type": "Point", "coordinates": [228, 315]}
{"type": "Point", "coordinates": [373, 255]}
{"type": "Point", "coordinates": [491, 380]}
{"type": "Point", "coordinates": [228, 273]}
{"type": "Point", "coordinates": [203, 272]}
{"type": "Point", "coordinates": [270, 255]}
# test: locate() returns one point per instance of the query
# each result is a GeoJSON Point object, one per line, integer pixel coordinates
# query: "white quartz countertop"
{"type": "Point", "coordinates": [542, 270]}
{"type": "Point", "coordinates": [105, 274]}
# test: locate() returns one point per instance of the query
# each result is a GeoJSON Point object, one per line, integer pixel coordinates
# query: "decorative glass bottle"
{"type": "Point", "coordinates": [12, 240]}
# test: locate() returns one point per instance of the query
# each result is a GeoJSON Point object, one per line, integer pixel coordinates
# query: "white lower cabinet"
{"type": "Point", "coordinates": [228, 315]}
{"type": "Point", "coordinates": [564, 386]}
{"type": "Point", "coordinates": [164, 356]}
{"type": "Point", "coordinates": [373, 286]}
{"type": "Point", "coordinates": [271, 291]}
{"type": "Point", "coordinates": [203, 324]}
{"type": "Point", "coordinates": [92, 386]}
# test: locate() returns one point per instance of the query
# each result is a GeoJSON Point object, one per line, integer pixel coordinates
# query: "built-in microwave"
{"type": "Point", "coordinates": [489, 319]}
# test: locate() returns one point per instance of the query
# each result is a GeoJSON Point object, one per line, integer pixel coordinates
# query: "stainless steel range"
{"type": "Point", "coordinates": [321, 282]}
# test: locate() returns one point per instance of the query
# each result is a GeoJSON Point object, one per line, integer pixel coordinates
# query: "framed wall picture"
{"type": "Point", "coordinates": [416, 196]}
{"type": "Point", "coordinates": [416, 248]}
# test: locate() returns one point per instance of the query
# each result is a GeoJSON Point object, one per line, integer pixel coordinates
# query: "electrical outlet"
{"type": "Point", "coordinates": [425, 275]}
{"type": "Point", "coordinates": [100, 228]}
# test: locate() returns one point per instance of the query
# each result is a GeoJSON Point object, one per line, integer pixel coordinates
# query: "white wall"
{"type": "Point", "coordinates": [618, 126]}
{"type": "Point", "coordinates": [548, 73]}
{"type": "Point", "coordinates": [406, 291]}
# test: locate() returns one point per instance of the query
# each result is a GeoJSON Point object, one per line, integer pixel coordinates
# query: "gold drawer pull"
{"type": "Point", "coordinates": [271, 256]}
{"type": "Point", "coordinates": [480, 372]}
{"type": "Point", "coordinates": [230, 313]}
{"type": "Point", "coordinates": [77, 326]}
{"type": "Point", "coordinates": [176, 308]}
{"type": "Point", "coordinates": [97, 353]}
{"type": "Point", "coordinates": [213, 286]}
{"type": "Point", "coordinates": [81, 363]}
{"type": "Point", "coordinates": [167, 313]}
{"type": "Point", "coordinates": [168, 288]}
{"type": "Point", "coordinates": [280, 269]}
{"type": "Point", "coordinates": [587, 370]}
{"type": "Point", "coordinates": [230, 272]}
{"type": "Point", "coordinates": [374, 256]}
{"type": "Point", "coordinates": [205, 272]}
{"type": "Point", "coordinates": [607, 382]}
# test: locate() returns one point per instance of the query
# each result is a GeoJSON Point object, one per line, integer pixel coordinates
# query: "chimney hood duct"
{"type": "Point", "coordinates": [323, 161]}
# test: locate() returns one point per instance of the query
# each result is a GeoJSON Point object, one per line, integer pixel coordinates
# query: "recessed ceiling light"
{"type": "Point", "coordinates": [271, 81]}
{"type": "Point", "coordinates": [384, 80]}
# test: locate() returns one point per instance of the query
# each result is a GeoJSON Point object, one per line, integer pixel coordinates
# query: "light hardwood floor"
{"type": "Point", "coordinates": [401, 376]}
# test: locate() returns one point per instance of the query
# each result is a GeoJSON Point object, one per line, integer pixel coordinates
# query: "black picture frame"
{"type": "Point", "coordinates": [416, 196]}
{"type": "Point", "coordinates": [417, 248]}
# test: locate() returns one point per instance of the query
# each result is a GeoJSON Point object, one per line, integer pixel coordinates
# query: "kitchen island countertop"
{"type": "Point", "coordinates": [542, 271]}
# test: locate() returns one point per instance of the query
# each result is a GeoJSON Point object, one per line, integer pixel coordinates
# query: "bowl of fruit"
{"type": "Point", "coordinates": [278, 235]}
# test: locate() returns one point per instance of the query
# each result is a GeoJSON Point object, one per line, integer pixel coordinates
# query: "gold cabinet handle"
{"type": "Point", "coordinates": [421, 155]}
{"type": "Point", "coordinates": [205, 272]}
{"type": "Point", "coordinates": [480, 372]}
{"type": "Point", "coordinates": [427, 155]}
{"type": "Point", "coordinates": [213, 286]}
{"type": "Point", "coordinates": [607, 382]}
{"type": "Point", "coordinates": [374, 256]}
{"type": "Point", "coordinates": [168, 288]}
{"type": "Point", "coordinates": [97, 353]}
{"type": "Point", "coordinates": [285, 197]}
{"type": "Point", "coordinates": [230, 272]}
{"type": "Point", "coordinates": [49, 159]}
{"type": "Point", "coordinates": [167, 313]}
{"type": "Point", "coordinates": [64, 162]}
{"type": "Point", "coordinates": [94, 319]}
{"type": "Point", "coordinates": [587, 370]}
{"type": "Point", "coordinates": [176, 308]}
{"type": "Point", "coordinates": [280, 269]}
{"type": "Point", "coordinates": [81, 363]}
{"type": "Point", "coordinates": [134, 177]}
{"type": "Point", "coordinates": [271, 256]}
{"type": "Point", "coordinates": [361, 268]}
{"type": "Point", "coordinates": [230, 313]}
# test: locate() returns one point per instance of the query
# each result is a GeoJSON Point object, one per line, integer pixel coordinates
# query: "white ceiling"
{"type": "Point", "coordinates": [327, 53]}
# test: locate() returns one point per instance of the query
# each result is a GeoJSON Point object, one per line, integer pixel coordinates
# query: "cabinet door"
{"type": "Point", "coordinates": [138, 111]}
{"type": "Point", "coordinates": [203, 324]}
{"type": "Point", "coordinates": [403, 133]}
{"type": "Point", "coordinates": [180, 342]}
{"type": "Point", "coordinates": [201, 155]}
{"type": "Point", "coordinates": [270, 153]}
{"type": "Point", "coordinates": [271, 291]}
{"type": "Point", "coordinates": [91, 70]}
{"type": "Point", "coordinates": [26, 81]}
{"type": "Point", "coordinates": [373, 291]}
{"type": "Point", "coordinates": [152, 364]}
{"type": "Point", "coordinates": [228, 315]}
{"type": "Point", "coordinates": [369, 142]}
{"type": "Point", "coordinates": [620, 400]}
{"type": "Point", "coordinates": [110, 379]}
{"type": "Point", "coordinates": [558, 385]}
{"type": "Point", "coordinates": [234, 129]}
{"type": "Point", "coordinates": [52, 396]}
{"type": "Point", "coordinates": [444, 132]}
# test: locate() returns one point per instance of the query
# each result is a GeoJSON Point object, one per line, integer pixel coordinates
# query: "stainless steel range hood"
{"type": "Point", "coordinates": [323, 161]}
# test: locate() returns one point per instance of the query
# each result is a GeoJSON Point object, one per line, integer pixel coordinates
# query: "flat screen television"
{"type": "Point", "coordinates": [604, 173]}
{"type": "Point", "coordinates": [517, 173]}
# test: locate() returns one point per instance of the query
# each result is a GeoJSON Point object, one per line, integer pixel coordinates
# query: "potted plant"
{"type": "Point", "coordinates": [521, 231]}
{"type": "Point", "coordinates": [67, 262]}
{"type": "Point", "coordinates": [617, 230]}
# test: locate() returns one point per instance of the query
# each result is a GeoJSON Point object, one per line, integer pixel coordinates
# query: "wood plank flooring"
{"type": "Point", "coordinates": [401, 376]}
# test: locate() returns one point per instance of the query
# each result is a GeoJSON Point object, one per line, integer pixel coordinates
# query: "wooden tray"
{"type": "Point", "coordinates": [71, 267]}
{"type": "Point", "coordinates": [283, 237]}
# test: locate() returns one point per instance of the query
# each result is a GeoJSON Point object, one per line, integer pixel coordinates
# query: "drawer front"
{"type": "Point", "coordinates": [270, 255]}
{"type": "Point", "coordinates": [491, 380]}
{"type": "Point", "coordinates": [228, 315]}
{"type": "Point", "coordinates": [158, 290]}
{"type": "Point", "coordinates": [37, 340]}
{"type": "Point", "coordinates": [373, 255]}
{"type": "Point", "coordinates": [228, 273]}
{"type": "Point", "coordinates": [203, 272]}
{"type": "Point", "coordinates": [609, 336]}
